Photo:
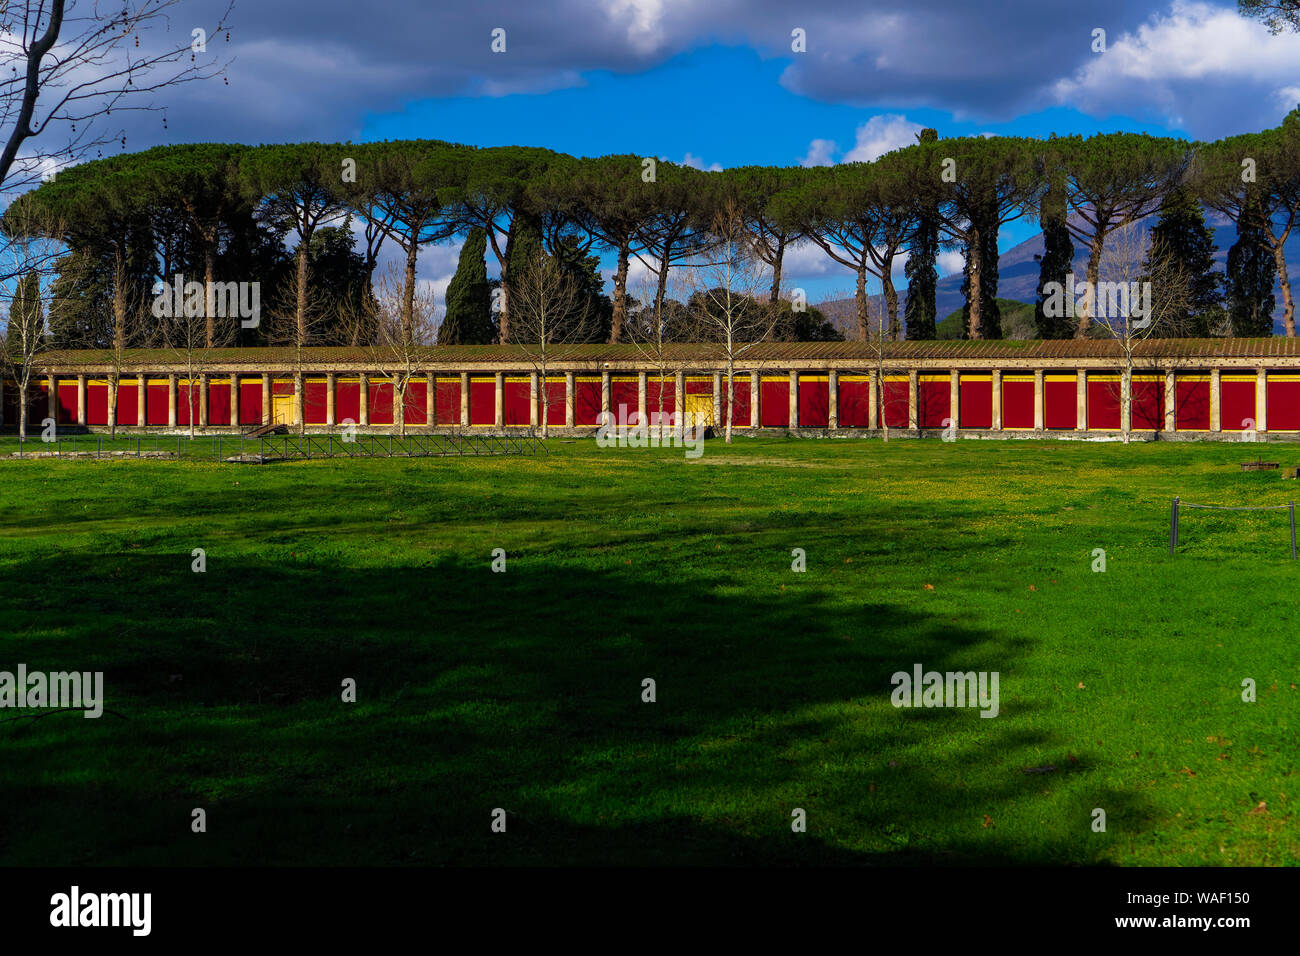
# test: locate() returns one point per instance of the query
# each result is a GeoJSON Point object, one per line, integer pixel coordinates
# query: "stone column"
{"type": "Point", "coordinates": [331, 409]}
{"type": "Point", "coordinates": [833, 399]}
{"type": "Point", "coordinates": [142, 387]}
{"type": "Point", "coordinates": [913, 396]}
{"type": "Point", "coordinates": [604, 395]}
{"type": "Point", "coordinates": [1261, 400]}
{"type": "Point", "coordinates": [298, 386]}
{"type": "Point", "coordinates": [997, 399]}
{"type": "Point", "coordinates": [1169, 400]}
{"type": "Point", "coordinates": [205, 383]}
{"type": "Point", "coordinates": [640, 398]}
{"type": "Point", "coordinates": [234, 399]}
{"type": "Point", "coordinates": [81, 400]}
{"type": "Point", "coordinates": [754, 390]}
{"type": "Point", "coordinates": [266, 398]}
{"type": "Point", "coordinates": [171, 400]}
{"type": "Point", "coordinates": [532, 400]}
{"type": "Point", "coordinates": [464, 399]}
{"type": "Point", "coordinates": [1038, 399]}
{"type": "Point", "coordinates": [794, 399]}
{"type": "Point", "coordinates": [1081, 400]}
{"type": "Point", "coordinates": [1216, 409]}
{"type": "Point", "coordinates": [363, 413]}
{"type": "Point", "coordinates": [717, 400]}
{"type": "Point", "coordinates": [52, 397]}
{"type": "Point", "coordinates": [570, 398]}
{"type": "Point", "coordinates": [430, 399]}
{"type": "Point", "coordinates": [1126, 411]}
{"type": "Point", "coordinates": [499, 412]}
{"type": "Point", "coordinates": [954, 397]}
{"type": "Point", "coordinates": [873, 421]}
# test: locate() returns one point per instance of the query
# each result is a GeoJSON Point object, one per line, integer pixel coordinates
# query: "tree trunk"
{"type": "Point", "coordinates": [1094, 272]}
{"type": "Point", "coordinates": [775, 296]}
{"type": "Point", "coordinates": [209, 276]}
{"type": "Point", "coordinates": [301, 307]}
{"type": "Point", "coordinates": [731, 396]}
{"type": "Point", "coordinates": [975, 259]}
{"type": "Point", "coordinates": [1284, 279]}
{"type": "Point", "coordinates": [891, 303]}
{"type": "Point", "coordinates": [112, 406]}
{"type": "Point", "coordinates": [860, 297]}
{"type": "Point", "coordinates": [620, 292]}
{"type": "Point", "coordinates": [408, 297]}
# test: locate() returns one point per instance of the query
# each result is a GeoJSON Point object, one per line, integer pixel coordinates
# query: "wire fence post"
{"type": "Point", "coordinates": [1173, 527]}
{"type": "Point", "coordinates": [1290, 505]}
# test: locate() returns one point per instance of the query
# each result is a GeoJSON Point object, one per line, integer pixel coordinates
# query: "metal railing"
{"type": "Point", "coordinates": [1178, 504]}
{"type": "Point", "coordinates": [237, 448]}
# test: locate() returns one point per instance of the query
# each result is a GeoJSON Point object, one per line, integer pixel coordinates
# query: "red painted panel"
{"type": "Point", "coordinates": [218, 404]}
{"type": "Point", "coordinates": [1104, 402]}
{"type": "Point", "coordinates": [741, 416]}
{"type": "Point", "coordinates": [96, 403]}
{"type": "Point", "coordinates": [1191, 404]}
{"type": "Point", "coordinates": [652, 388]}
{"type": "Point", "coordinates": [586, 409]}
{"type": "Point", "coordinates": [448, 398]}
{"type": "Point", "coordinates": [380, 396]}
{"type": "Point", "coordinates": [932, 401]}
{"type": "Point", "coordinates": [187, 402]}
{"type": "Point", "coordinates": [897, 396]}
{"type": "Point", "coordinates": [482, 400]}
{"type": "Point", "coordinates": [1283, 403]}
{"type": "Point", "coordinates": [10, 403]}
{"type": "Point", "coordinates": [515, 402]}
{"type": "Point", "coordinates": [814, 402]}
{"type": "Point", "coordinates": [975, 408]}
{"type": "Point", "coordinates": [1148, 404]}
{"type": "Point", "coordinates": [282, 386]}
{"type": "Point", "coordinates": [1017, 403]}
{"type": "Point", "coordinates": [414, 411]}
{"type": "Point", "coordinates": [250, 401]}
{"type": "Point", "coordinates": [1060, 403]}
{"type": "Point", "coordinates": [552, 398]}
{"type": "Point", "coordinates": [699, 386]}
{"type": "Point", "coordinates": [855, 407]}
{"type": "Point", "coordinates": [156, 404]}
{"type": "Point", "coordinates": [315, 401]}
{"type": "Point", "coordinates": [623, 392]}
{"type": "Point", "coordinates": [67, 403]}
{"type": "Point", "coordinates": [347, 402]}
{"type": "Point", "coordinates": [1237, 410]}
{"type": "Point", "coordinates": [126, 407]}
{"type": "Point", "coordinates": [774, 403]}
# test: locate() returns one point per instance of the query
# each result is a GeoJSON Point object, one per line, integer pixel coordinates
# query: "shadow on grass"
{"type": "Point", "coordinates": [520, 691]}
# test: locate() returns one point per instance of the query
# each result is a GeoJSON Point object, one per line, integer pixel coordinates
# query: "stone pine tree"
{"type": "Point", "coordinates": [469, 297]}
{"type": "Point", "coordinates": [1251, 274]}
{"type": "Point", "coordinates": [1182, 245]}
{"type": "Point", "coordinates": [989, 322]}
{"type": "Point", "coordinates": [1054, 264]}
{"type": "Point", "coordinates": [922, 277]}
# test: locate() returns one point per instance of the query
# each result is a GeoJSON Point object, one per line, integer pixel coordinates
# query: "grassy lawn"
{"type": "Point", "coordinates": [522, 690]}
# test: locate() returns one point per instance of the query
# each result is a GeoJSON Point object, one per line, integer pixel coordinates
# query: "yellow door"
{"type": "Point", "coordinates": [699, 408]}
{"type": "Point", "coordinates": [282, 410]}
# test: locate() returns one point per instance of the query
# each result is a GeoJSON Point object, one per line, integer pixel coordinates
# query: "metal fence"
{"type": "Point", "coordinates": [1179, 504]}
{"type": "Point", "coordinates": [236, 448]}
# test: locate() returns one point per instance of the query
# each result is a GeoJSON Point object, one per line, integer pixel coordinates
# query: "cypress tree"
{"type": "Point", "coordinates": [469, 297]}
{"type": "Point", "coordinates": [1055, 262]}
{"type": "Point", "coordinates": [1251, 272]}
{"type": "Point", "coordinates": [1182, 245]}
{"type": "Point", "coordinates": [920, 310]}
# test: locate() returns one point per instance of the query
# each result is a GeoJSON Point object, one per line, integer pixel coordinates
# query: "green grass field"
{"type": "Point", "coordinates": [522, 690]}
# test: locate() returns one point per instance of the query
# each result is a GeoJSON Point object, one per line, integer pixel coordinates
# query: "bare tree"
{"type": "Point", "coordinates": [548, 313]}
{"type": "Point", "coordinates": [725, 283]}
{"type": "Point", "coordinates": [191, 336]}
{"type": "Point", "coordinates": [404, 331]}
{"type": "Point", "coordinates": [72, 62]}
{"type": "Point", "coordinates": [653, 330]}
{"type": "Point", "coordinates": [297, 316]}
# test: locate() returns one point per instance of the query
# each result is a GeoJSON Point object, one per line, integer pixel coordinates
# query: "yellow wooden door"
{"type": "Point", "coordinates": [282, 410]}
{"type": "Point", "coordinates": [699, 408]}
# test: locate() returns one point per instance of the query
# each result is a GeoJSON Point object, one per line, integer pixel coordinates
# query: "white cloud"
{"type": "Point", "coordinates": [821, 152]}
{"type": "Point", "coordinates": [696, 163]}
{"type": "Point", "coordinates": [882, 134]}
{"type": "Point", "coordinates": [950, 263]}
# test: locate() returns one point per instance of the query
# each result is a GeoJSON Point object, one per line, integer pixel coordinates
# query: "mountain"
{"type": "Point", "coordinates": [1018, 274]}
